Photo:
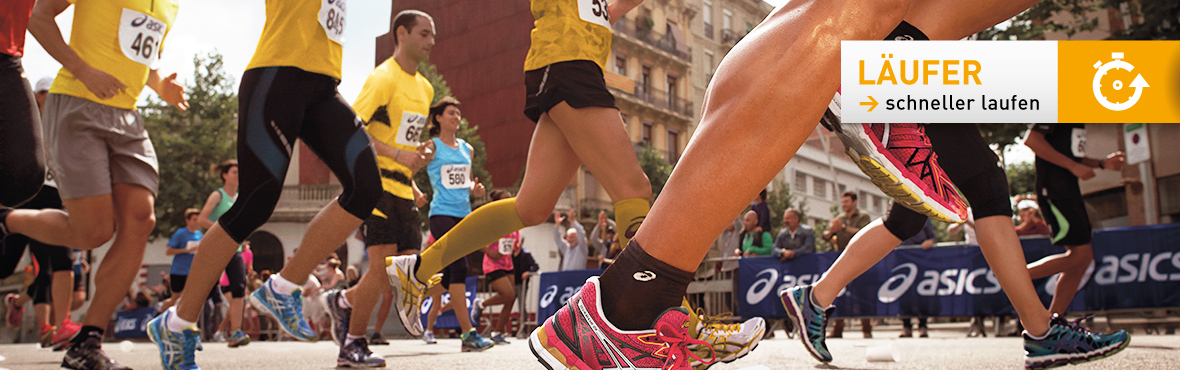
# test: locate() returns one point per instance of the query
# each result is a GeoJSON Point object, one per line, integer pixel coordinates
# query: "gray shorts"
{"type": "Point", "coordinates": [92, 146]}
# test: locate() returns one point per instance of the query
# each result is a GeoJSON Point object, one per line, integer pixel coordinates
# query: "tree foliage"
{"type": "Point", "coordinates": [655, 167]}
{"type": "Point", "coordinates": [1158, 20]}
{"type": "Point", "coordinates": [1022, 178]}
{"type": "Point", "coordinates": [188, 142]}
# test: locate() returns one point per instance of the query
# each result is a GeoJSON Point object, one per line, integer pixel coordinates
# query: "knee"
{"type": "Point", "coordinates": [532, 217]}
{"type": "Point", "coordinates": [139, 220]}
{"type": "Point", "coordinates": [95, 236]}
{"type": "Point", "coordinates": [1080, 256]}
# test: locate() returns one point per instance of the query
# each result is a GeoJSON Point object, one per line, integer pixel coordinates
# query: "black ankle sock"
{"type": "Point", "coordinates": [87, 332]}
{"type": "Point", "coordinates": [637, 288]}
{"type": "Point", "coordinates": [906, 32]}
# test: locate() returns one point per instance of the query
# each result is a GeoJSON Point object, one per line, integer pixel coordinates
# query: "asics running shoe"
{"type": "Point", "coordinates": [898, 158]}
{"type": "Point", "coordinates": [238, 339]}
{"type": "Point", "coordinates": [357, 354]}
{"type": "Point", "coordinates": [498, 338]}
{"type": "Point", "coordinates": [473, 342]}
{"type": "Point", "coordinates": [811, 320]}
{"type": "Point", "coordinates": [286, 308]}
{"type": "Point", "coordinates": [728, 341]}
{"type": "Point", "coordinates": [429, 338]}
{"type": "Point", "coordinates": [407, 291]}
{"type": "Point", "coordinates": [63, 334]}
{"type": "Point", "coordinates": [177, 350]}
{"type": "Point", "coordinates": [89, 355]}
{"type": "Point", "coordinates": [47, 335]}
{"type": "Point", "coordinates": [14, 312]}
{"type": "Point", "coordinates": [378, 339]}
{"type": "Point", "coordinates": [1067, 343]}
{"type": "Point", "coordinates": [579, 336]}
{"type": "Point", "coordinates": [475, 310]}
{"type": "Point", "coordinates": [337, 313]}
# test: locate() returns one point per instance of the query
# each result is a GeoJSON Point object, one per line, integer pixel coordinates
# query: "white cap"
{"type": "Point", "coordinates": [1026, 204]}
{"type": "Point", "coordinates": [44, 84]}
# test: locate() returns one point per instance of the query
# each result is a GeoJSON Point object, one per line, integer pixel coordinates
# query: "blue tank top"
{"type": "Point", "coordinates": [450, 177]}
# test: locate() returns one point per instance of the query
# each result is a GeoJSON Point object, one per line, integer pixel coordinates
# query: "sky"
{"type": "Point", "coordinates": [232, 27]}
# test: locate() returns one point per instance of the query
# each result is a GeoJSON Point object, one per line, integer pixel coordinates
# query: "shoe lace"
{"type": "Point", "coordinates": [717, 324]}
{"type": "Point", "coordinates": [677, 341]}
{"type": "Point", "coordinates": [1074, 325]}
{"type": "Point", "coordinates": [192, 341]}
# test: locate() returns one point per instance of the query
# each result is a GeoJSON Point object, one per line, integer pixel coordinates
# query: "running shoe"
{"type": "Point", "coordinates": [728, 342]}
{"type": "Point", "coordinates": [898, 159]}
{"type": "Point", "coordinates": [1067, 343]}
{"type": "Point", "coordinates": [475, 310]}
{"type": "Point", "coordinates": [177, 350]}
{"type": "Point", "coordinates": [47, 335]}
{"type": "Point", "coordinates": [378, 339]}
{"type": "Point", "coordinates": [811, 320]}
{"type": "Point", "coordinates": [579, 336]}
{"type": "Point", "coordinates": [238, 339]}
{"type": "Point", "coordinates": [14, 312]}
{"type": "Point", "coordinates": [407, 291]}
{"type": "Point", "coordinates": [63, 334]}
{"type": "Point", "coordinates": [89, 355]}
{"type": "Point", "coordinates": [498, 338]}
{"type": "Point", "coordinates": [357, 354]}
{"type": "Point", "coordinates": [473, 342]}
{"type": "Point", "coordinates": [286, 308]}
{"type": "Point", "coordinates": [339, 315]}
{"type": "Point", "coordinates": [429, 338]}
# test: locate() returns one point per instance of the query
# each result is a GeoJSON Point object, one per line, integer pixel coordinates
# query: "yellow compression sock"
{"type": "Point", "coordinates": [629, 213]}
{"type": "Point", "coordinates": [483, 226]}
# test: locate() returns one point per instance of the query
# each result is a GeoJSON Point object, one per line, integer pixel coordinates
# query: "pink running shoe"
{"type": "Point", "coordinates": [578, 336]}
{"type": "Point", "coordinates": [14, 312]}
{"type": "Point", "coordinates": [899, 160]}
{"type": "Point", "coordinates": [63, 334]}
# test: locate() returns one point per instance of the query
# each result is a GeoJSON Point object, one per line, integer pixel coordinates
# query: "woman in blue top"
{"type": "Point", "coordinates": [450, 177]}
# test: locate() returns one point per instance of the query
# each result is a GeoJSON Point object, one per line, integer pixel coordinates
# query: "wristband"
{"type": "Point", "coordinates": [1102, 164]}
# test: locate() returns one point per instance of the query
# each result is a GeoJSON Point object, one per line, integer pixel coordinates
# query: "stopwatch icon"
{"type": "Point", "coordinates": [1138, 84]}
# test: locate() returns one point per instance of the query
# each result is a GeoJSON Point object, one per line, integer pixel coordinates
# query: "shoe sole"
{"type": "Point", "coordinates": [740, 354]}
{"type": "Point", "coordinates": [395, 283]}
{"type": "Point", "coordinates": [1074, 361]}
{"type": "Point", "coordinates": [262, 309]}
{"type": "Point", "coordinates": [797, 317]}
{"type": "Point", "coordinates": [881, 173]}
{"type": "Point", "coordinates": [241, 343]}
{"type": "Point", "coordinates": [550, 357]}
{"type": "Point", "coordinates": [346, 363]}
{"type": "Point", "coordinates": [151, 332]}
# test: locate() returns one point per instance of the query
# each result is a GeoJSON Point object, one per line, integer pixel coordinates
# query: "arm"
{"type": "Point", "coordinates": [808, 245]}
{"type": "Point", "coordinates": [168, 90]}
{"type": "Point", "coordinates": [210, 204]}
{"type": "Point", "coordinates": [619, 8]}
{"type": "Point", "coordinates": [581, 233]}
{"type": "Point", "coordinates": [413, 160]}
{"type": "Point", "coordinates": [1035, 140]}
{"type": "Point", "coordinates": [419, 197]}
{"type": "Point", "coordinates": [44, 29]}
{"type": "Point", "coordinates": [596, 238]}
{"type": "Point", "coordinates": [779, 242]}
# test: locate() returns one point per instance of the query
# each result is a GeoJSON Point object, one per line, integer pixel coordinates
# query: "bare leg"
{"type": "Point", "coordinates": [459, 305]}
{"type": "Point", "coordinates": [135, 217]}
{"type": "Point", "coordinates": [383, 310]}
{"type": "Point", "coordinates": [213, 253]}
{"type": "Point", "coordinates": [1001, 248]}
{"type": "Point", "coordinates": [41, 313]}
{"type": "Point", "coordinates": [1076, 260]}
{"type": "Point", "coordinates": [324, 234]}
{"type": "Point", "coordinates": [236, 309]}
{"type": "Point", "coordinates": [866, 248]}
{"type": "Point", "coordinates": [364, 295]}
{"type": "Point", "coordinates": [505, 295]}
{"type": "Point", "coordinates": [63, 291]}
{"type": "Point", "coordinates": [436, 309]}
{"type": "Point", "coordinates": [550, 165]}
{"type": "Point", "coordinates": [596, 136]}
{"type": "Point", "coordinates": [56, 227]}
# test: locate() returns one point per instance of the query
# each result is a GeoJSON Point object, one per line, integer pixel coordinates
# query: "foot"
{"type": "Point", "coordinates": [473, 342]}
{"type": "Point", "coordinates": [899, 160]}
{"type": "Point", "coordinates": [357, 354]}
{"type": "Point", "coordinates": [64, 333]}
{"type": "Point", "coordinates": [378, 339]}
{"type": "Point", "coordinates": [407, 291]}
{"type": "Point", "coordinates": [906, 333]}
{"type": "Point", "coordinates": [286, 308]}
{"type": "Point", "coordinates": [728, 342]}
{"type": "Point", "coordinates": [177, 349]}
{"type": "Point", "coordinates": [811, 320]}
{"type": "Point", "coordinates": [429, 338]}
{"type": "Point", "coordinates": [89, 355]}
{"type": "Point", "coordinates": [498, 338]}
{"type": "Point", "coordinates": [47, 335]}
{"type": "Point", "coordinates": [238, 339]}
{"type": "Point", "coordinates": [923, 334]}
{"type": "Point", "coordinates": [14, 312]}
{"type": "Point", "coordinates": [1067, 343]}
{"type": "Point", "coordinates": [558, 345]}
{"type": "Point", "coordinates": [475, 310]}
{"type": "Point", "coordinates": [339, 315]}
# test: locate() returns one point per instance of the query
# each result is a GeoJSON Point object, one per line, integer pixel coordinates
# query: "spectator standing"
{"type": "Point", "coordinates": [1030, 219]}
{"type": "Point", "coordinates": [605, 240]}
{"type": "Point", "coordinates": [759, 206]}
{"type": "Point", "coordinates": [755, 242]}
{"type": "Point", "coordinates": [795, 239]}
{"type": "Point", "coordinates": [842, 229]}
{"type": "Point", "coordinates": [571, 244]}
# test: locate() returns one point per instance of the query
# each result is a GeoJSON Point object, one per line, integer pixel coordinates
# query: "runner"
{"type": "Point", "coordinates": [235, 272]}
{"type": "Point", "coordinates": [498, 268]}
{"type": "Point", "coordinates": [288, 92]}
{"type": "Point", "coordinates": [22, 162]}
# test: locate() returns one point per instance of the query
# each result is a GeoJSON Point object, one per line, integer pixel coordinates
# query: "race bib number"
{"type": "Point", "coordinates": [332, 19]}
{"type": "Point", "coordinates": [409, 131]}
{"type": "Point", "coordinates": [140, 36]}
{"type": "Point", "coordinates": [506, 245]}
{"type": "Point", "coordinates": [594, 11]}
{"type": "Point", "coordinates": [1077, 142]}
{"type": "Point", "coordinates": [192, 243]}
{"type": "Point", "coordinates": [456, 176]}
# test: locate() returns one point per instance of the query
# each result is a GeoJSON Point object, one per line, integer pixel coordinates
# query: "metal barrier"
{"type": "Point", "coordinates": [713, 286]}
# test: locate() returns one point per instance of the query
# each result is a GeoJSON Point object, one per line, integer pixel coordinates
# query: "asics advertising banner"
{"type": "Point", "coordinates": [556, 289]}
{"type": "Point", "coordinates": [133, 324]}
{"type": "Point", "coordinates": [1010, 81]}
{"type": "Point", "coordinates": [447, 319]}
{"type": "Point", "coordinates": [1135, 267]}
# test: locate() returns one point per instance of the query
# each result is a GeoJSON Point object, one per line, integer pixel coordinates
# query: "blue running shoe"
{"type": "Point", "coordinates": [1067, 343]}
{"type": "Point", "coordinates": [497, 338]}
{"type": "Point", "coordinates": [238, 339]}
{"type": "Point", "coordinates": [286, 308]}
{"type": "Point", "coordinates": [357, 354]}
{"type": "Point", "coordinates": [473, 342]}
{"type": "Point", "coordinates": [812, 321]}
{"type": "Point", "coordinates": [337, 313]}
{"type": "Point", "coordinates": [177, 350]}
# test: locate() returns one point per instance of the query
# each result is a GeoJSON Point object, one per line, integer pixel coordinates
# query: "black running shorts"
{"type": "Point", "coordinates": [456, 272]}
{"type": "Point", "coordinates": [399, 226]}
{"type": "Point", "coordinates": [579, 83]}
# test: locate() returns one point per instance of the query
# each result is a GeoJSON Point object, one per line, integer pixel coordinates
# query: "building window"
{"type": "Point", "coordinates": [864, 196]}
{"type": "Point", "coordinates": [800, 183]}
{"type": "Point", "coordinates": [647, 127]}
{"type": "Point", "coordinates": [820, 189]}
{"type": "Point", "coordinates": [673, 146]}
{"type": "Point", "coordinates": [709, 66]}
{"type": "Point", "coordinates": [621, 65]}
{"type": "Point", "coordinates": [726, 20]}
{"type": "Point", "coordinates": [626, 120]}
{"type": "Point", "coordinates": [707, 16]}
{"type": "Point", "coordinates": [842, 189]}
{"type": "Point", "coordinates": [672, 95]}
{"type": "Point", "coordinates": [645, 80]}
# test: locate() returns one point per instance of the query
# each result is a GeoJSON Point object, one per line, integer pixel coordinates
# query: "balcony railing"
{"type": "Point", "coordinates": [644, 33]}
{"type": "Point", "coordinates": [660, 99]}
{"type": "Point", "coordinates": [731, 37]}
{"type": "Point", "coordinates": [302, 202]}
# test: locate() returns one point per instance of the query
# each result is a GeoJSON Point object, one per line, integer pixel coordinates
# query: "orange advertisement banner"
{"type": "Point", "coordinates": [1118, 81]}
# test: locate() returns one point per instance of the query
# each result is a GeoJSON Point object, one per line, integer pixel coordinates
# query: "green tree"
{"type": "Point", "coordinates": [1158, 20]}
{"type": "Point", "coordinates": [479, 155]}
{"type": "Point", "coordinates": [1002, 135]}
{"type": "Point", "coordinates": [655, 167]}
{"type": "Point", "coordinates": [779, 201]}
{"type": "Point", "coordinates": [188, 142]}
{"type": "Point", "coordinates": [1022, 178]}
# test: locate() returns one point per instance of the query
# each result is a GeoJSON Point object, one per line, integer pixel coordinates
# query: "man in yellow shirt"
{"type": "Point", "coordinates": [99, 152]}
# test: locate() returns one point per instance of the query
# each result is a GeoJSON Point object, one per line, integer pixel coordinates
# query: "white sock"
{"type": "Point", "coordinates": [281, 285]}
{"type": "Point", "coordinates": [175, 323]}
{"type": "Point", "coordinates": [350, 338]}
{"type": "Point", "coordinates": [343, 300]}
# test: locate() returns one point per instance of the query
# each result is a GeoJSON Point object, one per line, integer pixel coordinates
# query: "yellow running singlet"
{"type": "Point", "coordinates": [305, 34]}
{"type": "Point", "coordinates": [567, 30]}
{"type": "Point", "coordinates": [394, 105]}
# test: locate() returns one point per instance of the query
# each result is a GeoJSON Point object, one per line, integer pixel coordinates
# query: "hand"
{"type": "Point", "coordinates": [478, 190]}
{"type": "Point", "coordinates": [427, 149]}
{"type": "Point", "coordinates": [1115, 161]}
{"type": "Point", "coordinates": [757, 229]}
{"type": "Point", "coordinates": [419, 201]}
{"type": "Point", "coordinates": [558, 218]}
{"type": "Point", "coordinates": [572, 215]}
{"type": "Point", "coordinates": [413, 160]}
{"type": "Point", "coordinates": [929, 243]}
{"type": "Point", "coordinates": [172, 92]}
{"type": "Point", "coordinates": [737, 253]}
{"type": "Point", "coordinates": [1082, 171]}
{"type": "Point", "coordinates": [524, 276]}
{"type": "Point", "coordinates": [602, 217]}
{"type": "Point", "coordinates": [100, 83]}
{"type": "Point", "coordinates": [839, 223]}
{"type": "Point", "coordinates": [787, 254]}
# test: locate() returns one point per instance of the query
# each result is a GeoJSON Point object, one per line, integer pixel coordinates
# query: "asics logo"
{"type": "Point", "coordinates": [139, 21]}
{"type": "Point", "coordinates": [634, 228]}
{"type": "Point", "coordinates": [644, 276]}
{"type": "Point", "coordinates": [904, 38]}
